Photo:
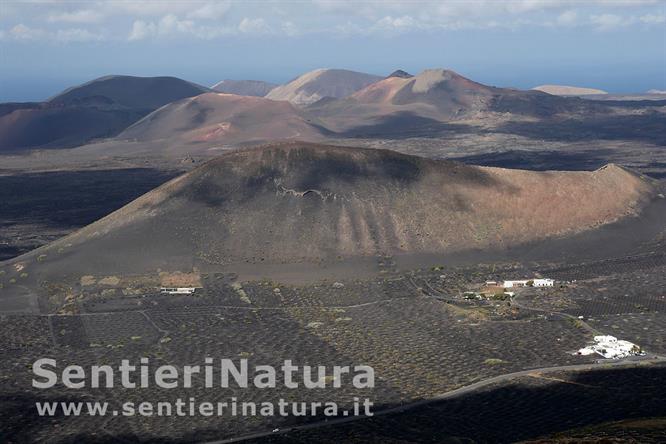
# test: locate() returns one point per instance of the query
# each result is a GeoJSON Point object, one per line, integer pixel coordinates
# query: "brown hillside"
{"type": "Point", "coordinates": [224, 118]}
{"type": "Point", "coordinates": [433, 96]}
{"type": "Point", "coordinates": [298, 202]}
{"type": "Point", "coordinates": [315, 85]}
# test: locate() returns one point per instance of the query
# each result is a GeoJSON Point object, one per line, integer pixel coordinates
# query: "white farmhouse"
{"type": "Point", "coordinates": [543, 283]}
{"type": "Point", "coordinates": [178, 290]}
{"type": "Point", "coordinates": [611, 347]}
{"type": "Point", "coordinates": [529, 282]}
{"type": "Point", "coordinates": [512, 284]}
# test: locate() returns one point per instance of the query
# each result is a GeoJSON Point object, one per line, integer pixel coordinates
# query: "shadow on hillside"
{"type": "Point", "coordinates": [510, 413]}
{"type": "Point", "coordinates": [404, 125]}
{"type": "Point", "coordinates": [649, 127]}
{"type": "Point", "coordinates": [518, 410]}
{"type": "Point", "coordinates": [541, 160]}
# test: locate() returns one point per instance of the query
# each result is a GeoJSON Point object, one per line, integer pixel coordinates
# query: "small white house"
{"type": "Point", "coordinates": [543, 283]}
{"type": "Point", "coordinates": [178, 290]}
{"type": "Point", "coordinates": [512, 284]}
{"type": "Point", "coordinates": [529, 282]}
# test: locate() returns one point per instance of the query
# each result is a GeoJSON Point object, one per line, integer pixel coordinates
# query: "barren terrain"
{"type": "Point", "coordinates": [359, 249]}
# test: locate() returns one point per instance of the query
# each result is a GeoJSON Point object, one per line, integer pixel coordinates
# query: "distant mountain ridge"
{"type": "Point", "coordinates": [315, 85]}
{"type": "Point", "coordinates": [324, 103]}
{"type": "Point", "coordinates": [255, 88]}
{"type": "Point", "coordinates": [400, 73]}
{"type": "Point", "coordinates": [100, 108]}
{"type": "Point", "coordinates": [131, 91]}
{"type": "Point", "coordinates": [564, 90]}
{"type": "Point", "coordinates": [386, 107]}
{"type": "Point", "coordinates": [225, 118]}
{"type": "Point", "coordinates": [433, 96]}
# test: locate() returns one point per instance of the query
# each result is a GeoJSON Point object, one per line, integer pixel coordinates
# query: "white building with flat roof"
{"type": "Point", "coordinates": [512, 284]}
{"type": "Point", "coordinates": [178, 290]}
{"type": "Point", "coordinates": [543, 283]}
{"type": "Point", "coordinates": [611, 347]}
{"type": "Point", "coordinates": [529, 283]}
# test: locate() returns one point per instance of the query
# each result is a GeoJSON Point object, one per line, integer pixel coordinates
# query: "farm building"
{"type": "Point", "coordinates": [512, 284]}
{"type": "Point", "coordinates": [543, 283]}
{"type": "Point", "coordinates": [611, 347]}
{"type": "Point", "coordinates": [529, 283]}
{"type": "Point", "coordinates": [178, 290]}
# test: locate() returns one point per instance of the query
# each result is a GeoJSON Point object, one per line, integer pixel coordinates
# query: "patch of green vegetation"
{"type": "Point", "coordinates": [241, 293]}
{"type": "Point", "coordinates": [472, 313]}
{"type": "Point", "coordinates": [499, 297]}
{"type": "Point", "coordinates": [576, 322]}
{"type": "Point", "coordinates": [41, 258]}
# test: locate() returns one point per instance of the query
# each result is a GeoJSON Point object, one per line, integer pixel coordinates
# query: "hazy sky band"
{"type": "Point", "coordinates": [619, 46]}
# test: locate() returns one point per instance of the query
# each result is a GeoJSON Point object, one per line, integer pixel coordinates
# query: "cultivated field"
{"type": "Point", "coordinates": [413, 327]}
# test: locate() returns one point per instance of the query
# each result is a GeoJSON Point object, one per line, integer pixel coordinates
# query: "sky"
{"type": "Point", "coordinates": [615, 45]}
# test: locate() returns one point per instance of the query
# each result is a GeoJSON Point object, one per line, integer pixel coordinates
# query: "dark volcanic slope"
{"type": "Point", "coordinates": [298, 202]}
{"type": "Point", "coordinates": [131, 92]}
{"type": "Point", "coordinates": [38, 208]}
{"type": "Point", "coordinates": [100, 108]}
{"type": "Point", "coordinates": [400, 73]}
{"type": "Point", "coordinates": [60, 127]}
